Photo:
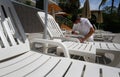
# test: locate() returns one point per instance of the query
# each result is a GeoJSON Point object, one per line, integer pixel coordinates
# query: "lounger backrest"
{"type": "Point", "coordinates": [12, 37]}
{"type": "Point", "coordinates": [52, 27]}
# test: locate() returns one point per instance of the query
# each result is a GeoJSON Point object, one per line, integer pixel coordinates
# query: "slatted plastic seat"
{"type": "Point", "coordinates": [80, 49]}
{"type": "Point", "coordinates": [33, 64]}
{"type": "Point", "coordinates": [106, 47]}
{"type": "Point", "coordinates": [101, 35]}
{"type": "Point", "coordinates": [17, 60]}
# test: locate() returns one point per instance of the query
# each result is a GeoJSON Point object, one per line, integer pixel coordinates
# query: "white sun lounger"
{"type": "Point", "coordinates": [55, 32]}
{"type": "Point", "coordinates": [100, 35]}
{"type": "Point", "coordinates": [80, 49]}
{"type": "Point", "coordinates": [107, 47]}
{"type": "Point", "coordinates": [17, 60]}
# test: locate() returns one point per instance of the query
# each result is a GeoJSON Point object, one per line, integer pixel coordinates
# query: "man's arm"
{"type": "Point", "coordinates": [88, 35]}
{"type": "Point", "coordinates": [74, 29]}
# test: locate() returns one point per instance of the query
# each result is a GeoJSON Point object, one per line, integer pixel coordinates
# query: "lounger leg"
{"type": "Point", "coordinates": [45, 48]}
{"type": "Point", "coordinates": [90, 58]}
{"type": "Point", "coordinates": [58, 51]}
{"type": "Point", "coordinates": [116, 60]}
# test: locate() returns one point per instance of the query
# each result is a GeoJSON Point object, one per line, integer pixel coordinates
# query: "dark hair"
{"type": "Point", "coordinates": [75, 17]}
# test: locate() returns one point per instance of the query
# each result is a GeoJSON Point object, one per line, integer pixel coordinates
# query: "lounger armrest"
{"type": "Point", "coordinates": [67, 39]}
{"type": "Point", "coordinates": [52, 42]}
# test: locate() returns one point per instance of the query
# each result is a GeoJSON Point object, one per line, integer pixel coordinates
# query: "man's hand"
{"type": "Point", "coordinates": [75, 32]}
{"type": "Point", "coordinates": [82, 40]}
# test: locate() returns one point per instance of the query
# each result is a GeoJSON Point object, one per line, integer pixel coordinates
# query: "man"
{"type": "Point", "coordinates": [83, 27]}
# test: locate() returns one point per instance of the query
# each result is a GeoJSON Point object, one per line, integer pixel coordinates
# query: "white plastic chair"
{"type": "Point", "coordinates": [16, 58]}
{"type": "Point", "coordinates": [101, 47]}
{"type": "Point", "coordinates": [73, 44]}
{"type": "Point", "coordinates": [101, 35]}
{"type": "Point", "coordinates": [107, 47]}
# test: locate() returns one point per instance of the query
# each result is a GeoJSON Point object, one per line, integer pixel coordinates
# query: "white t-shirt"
{"type": "Point", "coordinates": [83, 27]}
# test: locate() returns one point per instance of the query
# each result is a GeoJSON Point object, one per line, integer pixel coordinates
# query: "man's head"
{"type": "Point", "coordinates": [76, 19]}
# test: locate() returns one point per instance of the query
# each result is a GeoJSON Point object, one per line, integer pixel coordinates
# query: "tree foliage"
{"type": "Point", "coordinates": [70, 6]}
{"type": "Point", "coordinates": [40, 4]}
{"type": "Point", "coordinates": [118, 10]}
{"type": "Point", "coordinates": [111, 21]}
{"type": "Point", "coordinates": [104, 1]}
